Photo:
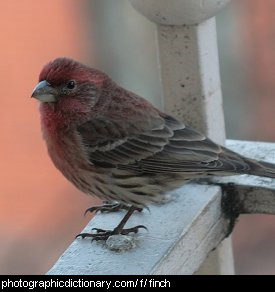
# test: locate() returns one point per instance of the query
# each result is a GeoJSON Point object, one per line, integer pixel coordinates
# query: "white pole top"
{"type": "Point", "coordinates": [178, 12]}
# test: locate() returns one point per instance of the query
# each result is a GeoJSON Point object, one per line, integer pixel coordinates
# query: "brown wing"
{"type": "Point", "coordinates": [121, 142]}
{"type": "Point", "coordinates": [167, 145]}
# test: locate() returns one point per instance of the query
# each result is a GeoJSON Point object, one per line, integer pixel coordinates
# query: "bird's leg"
{"type": "Point", "coordinates": [104, 234]}
{"type": "Point", "coordinates": [109, 207]}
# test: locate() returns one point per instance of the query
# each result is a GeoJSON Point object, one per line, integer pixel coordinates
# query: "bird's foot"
{"type": "Point", "coordinates": [110, 207]}
{"type": "Point", "coordinates": [102, 234]}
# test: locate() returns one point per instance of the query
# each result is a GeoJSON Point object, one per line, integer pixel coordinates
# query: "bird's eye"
{"type": "Point", "coordinates": [71, 84]}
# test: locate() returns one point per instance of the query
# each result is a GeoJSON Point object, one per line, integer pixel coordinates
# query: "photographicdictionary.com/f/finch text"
{"type": "Point", "coordinates": [82, 283]}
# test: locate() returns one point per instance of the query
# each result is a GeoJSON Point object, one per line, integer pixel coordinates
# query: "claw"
{"type": "Point", "coordinates": [109, 207]}
{"type": "Point", "coordinates": [105, 234]}
{"type": "Point", "coordinates": [102, 208]}
{"type": "Point", "coordinates": [98, 230]}
{"type": "Point", "coordinates": [133, 229]}
{"type": "Point", "coordinates": [102, 234]}
{"type": "Point", "coordinates": [83, 235]}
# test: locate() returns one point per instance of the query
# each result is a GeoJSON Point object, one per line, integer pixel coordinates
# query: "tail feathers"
{"type": "Point", "coordinates": [261, 168]}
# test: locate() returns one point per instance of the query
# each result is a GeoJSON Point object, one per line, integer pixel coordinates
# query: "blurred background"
{"type": "Point", "coordinates": [40, 212]}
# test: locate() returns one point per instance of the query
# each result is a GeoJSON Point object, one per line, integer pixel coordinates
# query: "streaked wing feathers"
{"type": "Point", "coordinates": [168, 146]}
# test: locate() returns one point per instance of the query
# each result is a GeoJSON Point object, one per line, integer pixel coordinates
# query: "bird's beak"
{"type": "Point", "coordinates": [44, 92]}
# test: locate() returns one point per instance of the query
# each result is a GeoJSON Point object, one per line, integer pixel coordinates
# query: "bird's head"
{"type": "Point", "coordinates": [66, 82]}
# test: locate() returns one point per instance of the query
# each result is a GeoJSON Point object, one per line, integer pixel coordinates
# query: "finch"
{"type": "Point", "coordinates": [115, 145]}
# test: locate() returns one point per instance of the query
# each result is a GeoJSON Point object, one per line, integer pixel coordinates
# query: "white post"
{"type": "Point", "coordinates": [189, 70]}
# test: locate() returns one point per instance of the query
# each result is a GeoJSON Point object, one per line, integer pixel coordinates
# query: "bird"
{"type": "Point", "coordinates": [115, 145]}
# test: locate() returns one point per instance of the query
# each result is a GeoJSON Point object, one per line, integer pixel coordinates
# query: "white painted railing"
{"type": "Point", "coordinates": [182, 233]}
